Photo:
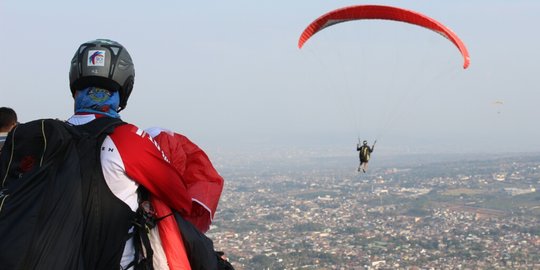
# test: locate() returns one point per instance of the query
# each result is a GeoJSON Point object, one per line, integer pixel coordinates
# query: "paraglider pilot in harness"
{"type": "Point", "coordinates": [365, 152]}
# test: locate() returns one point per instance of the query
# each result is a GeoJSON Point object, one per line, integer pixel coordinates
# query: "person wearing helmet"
{"type": "Point", "coordinates": [364, 154]}
{"type": "Point", "coordinates": [101, 80]}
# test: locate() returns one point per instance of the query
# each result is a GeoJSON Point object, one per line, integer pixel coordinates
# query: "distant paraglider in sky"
{"type": "Point", "coordinates": [366, 12]}
{"type": "Point", "coordinates": [498, 104]}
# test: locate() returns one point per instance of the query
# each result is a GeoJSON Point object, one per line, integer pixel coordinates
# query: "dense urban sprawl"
{"type": "Point", "coordinates": [478, 214]}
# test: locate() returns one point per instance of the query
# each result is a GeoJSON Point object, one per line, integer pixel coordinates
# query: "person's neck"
{"type": "Point", "coordinates": [7, 129]}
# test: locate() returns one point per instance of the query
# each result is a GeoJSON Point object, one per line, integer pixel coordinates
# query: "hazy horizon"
{"type": "Point", "coordinates": [229, 74]}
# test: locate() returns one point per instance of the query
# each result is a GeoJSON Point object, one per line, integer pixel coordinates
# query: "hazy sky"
{"type": "Point", "coordinates": [228, 74]}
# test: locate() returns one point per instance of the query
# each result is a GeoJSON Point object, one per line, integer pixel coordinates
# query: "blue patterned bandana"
{"type": "Point", "coordinates": [97, 100]}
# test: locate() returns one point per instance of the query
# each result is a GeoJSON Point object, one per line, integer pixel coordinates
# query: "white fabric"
{"type": "Point", "coordinates": [160, 259]}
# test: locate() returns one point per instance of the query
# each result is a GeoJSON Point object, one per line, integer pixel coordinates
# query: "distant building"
{"type": "Point", "coordinates": [519, 191]}
{"type": "Point", "coordinates": [500, 176]}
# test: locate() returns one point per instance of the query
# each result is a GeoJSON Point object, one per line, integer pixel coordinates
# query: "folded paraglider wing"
{"type": "Point", "coordinates": [204, 186]}
{"type": "Point", "coordinates": [203, 182]}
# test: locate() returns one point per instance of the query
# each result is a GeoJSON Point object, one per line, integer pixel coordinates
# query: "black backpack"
{"type": "Point", "coordinates": [41, 187]}
{"type": "Point", "coordinates": [42, 196]}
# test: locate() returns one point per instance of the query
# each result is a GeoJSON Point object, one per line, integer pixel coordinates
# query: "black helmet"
{"type": "Point", "coordinates": [364, 142]}
{"type": "Point", "coordinates": [103, 63]}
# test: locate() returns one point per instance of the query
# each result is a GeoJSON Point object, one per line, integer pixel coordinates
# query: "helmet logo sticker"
{"type": "Point", "coordinates": [96, 58]}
